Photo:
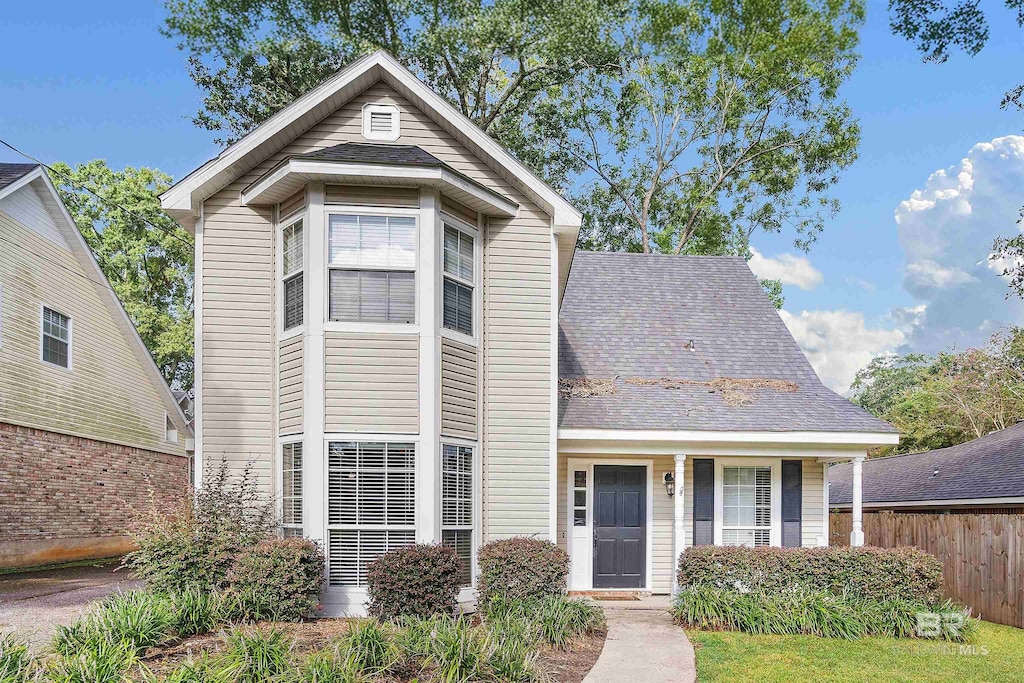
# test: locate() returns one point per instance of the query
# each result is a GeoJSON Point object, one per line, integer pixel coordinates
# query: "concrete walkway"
{"type": "Point", "coordinates": [643, 645]}
{"type": "Point", "coordinates": [32, 603]}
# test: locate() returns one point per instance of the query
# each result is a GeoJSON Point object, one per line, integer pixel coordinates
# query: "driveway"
{"type": "Point", "coordinates": [33, 603]}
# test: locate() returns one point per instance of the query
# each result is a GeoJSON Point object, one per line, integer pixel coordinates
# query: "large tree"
{"type": "Point", "coordinates": [492, 60]}
{"type": "Point", "coordinates": [146, 256]}
{"type": "Point", "coordinates": [726, 120]}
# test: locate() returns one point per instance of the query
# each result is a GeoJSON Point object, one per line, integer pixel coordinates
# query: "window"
{"type": "Point", "coordinates": [371, 505]}
{"type": "Point", "coordinates": [291, 273]}
{"type": "Point", "coordinates": [291, 490]}
{"type": "Point", "coordinates": [56, 338]}
{"type": "Point", "coordinates": [381, 122]}
{"type": "Point", "coordinates": [579, 498]}
{"type": "Point", "coordinates": [372, 264]}
{"type": "Point", "coordinates": [746, 506]}
{"type": "Point", "coordinates": [170, 431]}
{"type": "Point", "coordinates": [457, 504]}
{"type": "Point", "coordinates": [458, 280]}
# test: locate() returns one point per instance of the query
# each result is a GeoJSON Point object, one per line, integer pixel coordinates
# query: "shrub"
{"type": "Point", "coordinates": [201, 669]}
{"type": "Point", "coordinates": [417, 580]}
{"type": "Point", "coordinates": [255, 656]}
{"type": "Point", "coordinates": [555, 620]}
{"type": "Point", "coordinates": [137, 619]}
{"type": "Point", "coordinates": [16, 662]}
{"type": "Point", "coordinates": [369, 647]}
{"type": "Point", "coordinates": [459, 651]}
{"type": "Point", "coordinates": [521, 568]}
{"type": "Point", "coordinates": [103, 661]}
{"type": "Point", "coordinates": [195, 545]}
{"type": "Point", "coordinates": [277, 579]}
{"type": "Point", "coordinates": [879, 574]}
{"type": "Point", "coordinates": [197, 611]}
{"type": "Point", "coordinates": [324, 667]}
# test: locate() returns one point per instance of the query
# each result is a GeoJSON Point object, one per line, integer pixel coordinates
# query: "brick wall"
{"type": "Point", "coordinates": [56, 488]}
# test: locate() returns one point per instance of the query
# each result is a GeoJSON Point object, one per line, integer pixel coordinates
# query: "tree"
{"type": "Point", "coordinates": [725, 121]}
{"type": "Point", "coordinates": [492, 60]}
{"type": "Point", "coordinates": [146, 256]}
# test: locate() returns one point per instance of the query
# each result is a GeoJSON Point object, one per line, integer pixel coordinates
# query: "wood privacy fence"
{"type": "Point", "coordinates": [982, 554]}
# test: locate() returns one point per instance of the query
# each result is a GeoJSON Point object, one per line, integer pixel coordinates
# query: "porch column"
{"type": "Point", "coordinates": [679, 509]}
{"type": "Point", "coordinates": [857, 534]}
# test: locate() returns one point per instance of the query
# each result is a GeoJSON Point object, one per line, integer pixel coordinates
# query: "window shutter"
{"type": "Point", "coordinates": [703, 501]}
{"type": "Point", "coordinates": [792, 503]}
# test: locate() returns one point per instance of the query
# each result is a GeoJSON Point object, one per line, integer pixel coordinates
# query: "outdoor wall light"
{"type": "Point", "coordinates": [670, 483]}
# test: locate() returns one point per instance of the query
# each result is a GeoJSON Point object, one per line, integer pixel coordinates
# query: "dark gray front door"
{"type": "Point", "coordinates": [620, 526]}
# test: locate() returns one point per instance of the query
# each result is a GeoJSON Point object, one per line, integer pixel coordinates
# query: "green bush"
{"type": "Point", "coordinates": [459, 651]}
{"type": "Point", "coordinates": [16, 662]}
{"type": "Point", "coordinates": [879, 574]}
{"type": "Point", "coordinates": [102, 661]}
{"type": "Point", "coordinates": [803, 612]}
{"type": "Point", "coordinates": [136, 619]}
{"type": "Point", "coordinates": [521, 568]}
{"type": "Point", "coordinates": [369, 647]}
{"type": "Point", "coordinates": [197, 611]}
{"type": "Point", "coordinates": [277, 579]}
{"type": "Point", "coordinates": [555, 620]}
{"type": "Point", "coordinates": [254, 656]}
{"type": "Point", "coordinates": [417, 580]}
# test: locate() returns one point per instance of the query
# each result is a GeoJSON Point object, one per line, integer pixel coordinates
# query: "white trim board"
{"type": "Point", "coordinates": [948, 502]}
{"type": "Point", "coordinates": [718, 437]}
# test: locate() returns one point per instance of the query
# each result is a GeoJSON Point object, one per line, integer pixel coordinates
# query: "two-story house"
{"type": "Point", "coordinates": [378, 291]}
{"type": "Point", "coordinates": [90, 434]}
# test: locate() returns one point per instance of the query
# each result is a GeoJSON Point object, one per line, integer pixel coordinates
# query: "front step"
{"type": "Point", "coordinates": [610, 594]}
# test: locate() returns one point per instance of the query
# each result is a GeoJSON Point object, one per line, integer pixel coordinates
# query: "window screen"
{"type": "Point", "coordinates": [56, 338]}
{"type": "Point", "coordinates": [457, 504]}
{"type": "Point", "coordinates": [292, 267]}
{"type": "Point", "coordinates": [291, 489]}
{"type": "Point", "coordinates": [458, 280]}
{"type": "Point", "coordinates": [746, 506]}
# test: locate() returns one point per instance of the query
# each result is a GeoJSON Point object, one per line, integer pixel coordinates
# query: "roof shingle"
{"type": "Point", "coordinates": [11, 172]}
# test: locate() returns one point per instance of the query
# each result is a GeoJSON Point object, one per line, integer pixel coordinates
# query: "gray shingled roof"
{"type": "Point", "coordinates": [11, 172]}
{"type": "Point", "coordinates": [632, 315]}
{"type": "Point", "coordinates": [370, 153]}
{"type": "Point", "coordinates": [989, 467]}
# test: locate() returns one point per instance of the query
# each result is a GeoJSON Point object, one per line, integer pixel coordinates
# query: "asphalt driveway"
{"type": "Point", "coordinates": [33, 603]}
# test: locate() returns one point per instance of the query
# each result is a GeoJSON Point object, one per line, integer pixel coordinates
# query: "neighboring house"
{"type": "Point", "coordinates": [378, 286]}
{"type": "Point", "coordinates": [88, 427]}
{"type": "Point", "coordinates": [981, 476]}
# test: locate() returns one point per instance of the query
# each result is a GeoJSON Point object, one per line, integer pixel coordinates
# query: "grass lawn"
{"type": "Point", "coordinates": [742, 657]}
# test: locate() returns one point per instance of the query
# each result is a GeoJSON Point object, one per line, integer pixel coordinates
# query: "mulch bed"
{"type": "Point", "coordinates": [565, 666]}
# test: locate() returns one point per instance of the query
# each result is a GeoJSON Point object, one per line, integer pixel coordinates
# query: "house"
{"type": "Point", "coordinates": [389, 308]}
{"type": "Point", "coordinates": [88, 427]}
{"type": "Point", "coordinates": [938, 481]}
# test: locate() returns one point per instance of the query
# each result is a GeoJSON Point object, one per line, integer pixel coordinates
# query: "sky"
{"type": "Point", "coordinates": [903, 266]}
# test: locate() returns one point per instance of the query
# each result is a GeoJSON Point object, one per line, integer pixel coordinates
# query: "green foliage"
{"type": "Point", "coordinates": [459, 651]}
{"type": "Point", "coordinates": [947, 399]}
{"type": "Point", "coordinates": [149, 268]}
{"type": "Point", "coordinates": [521, 568]}
{"type": "Point", "coordinates": [724, 121]}
{"type": "Point", "coordinates": [879, 574]}
{"type": "Point", "coordinates": [417, 580]}
{"type": "Point", "coordinates": [553, 619]}
{"type": "Point", "coordinates": [202, 669]}
{"type": "Point", "coordinates": [196, 611]}
{"type": "Point", "coordinates": [324, 667]}
{"type": "Point", "coordinates": [137, 620]}
{"type": "Point", "coordinates": [278, 579]}
{"type": "Point", "coordinates": [254, 656]}
{"type": "Point", "coordinates": [369, 647]}
{"type": "Point", "coordinates": [16, 662]}
{"type": "Point", "coordinates": [101, 661]}
{"type": "Point", "coordinates": [808, 612]}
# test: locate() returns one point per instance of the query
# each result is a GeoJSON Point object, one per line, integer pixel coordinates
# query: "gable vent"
{"type": "Point", "coordinates": [381, 122]}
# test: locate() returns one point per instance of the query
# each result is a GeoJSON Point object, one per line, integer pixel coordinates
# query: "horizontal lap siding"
{"type": "Point", "coordinates": [291, 359]}
{"type": "Point", "coordinates": [458, 390]}
{"type": "Point", "coordinates": [108, 395]}
{"type": "Point", "coordinates": [369, 195]}
{"type": "Point", "coordinates": [812, 526]}
{"type": "Point", "coordinates": [372, 383]}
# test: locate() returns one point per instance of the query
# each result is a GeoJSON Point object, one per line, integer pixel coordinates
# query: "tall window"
{"type": "Point", "coordinates": [291, 490]}
{"type": "Point", "coordinates": [372, 264]}
{"type": "Point", "coordinates": [292, 268]}
{"type": "Point", "coordinates": [746, 506]}
{"type": "Point", "coordinates": [458, 280]}
{"type": "Point", "coordinates": [56, 338]}
{"type": "Point", "coordinates": [457, 504]}
{"type": "Point", "coordinates": [371, 505]}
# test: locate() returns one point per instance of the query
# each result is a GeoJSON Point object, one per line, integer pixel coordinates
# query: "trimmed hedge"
{"type": "Point", "coordinates": [417, 581]}
{"type": "Point", "coordinates": [521, 568]}
{"type": "Point", "coordinates": [880, 574]}
{"type": "Point", "coordinates": [277, 579]}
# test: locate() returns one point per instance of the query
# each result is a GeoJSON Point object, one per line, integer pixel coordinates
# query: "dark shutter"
{"type": "Point", "coordinates": [792, 503]}
{"type": "Point", "coordinates": [703, 502]}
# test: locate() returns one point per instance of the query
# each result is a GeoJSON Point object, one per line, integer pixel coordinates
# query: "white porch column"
{"type": "Point", "coordinates": [857, 534]}
{"type": "Point", "coordinates": [314, 467]}
{"type": "Point", "coordinates": [428, 303]}
{"type": "Point", "coordinates": [679, 510]}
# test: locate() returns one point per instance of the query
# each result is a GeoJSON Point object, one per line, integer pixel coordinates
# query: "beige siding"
{"type": "Point", "coordinates": [294, 203]}
{"type": "Point", "coordinates": [458, 390]}
{"type": "Point", "coordinates": [812, 511]}
{"type": "Point", "coordinates": [372, 383]}
{"type": "Point", "coordinates": [107, 395]}
{"type": "Point", "coordinates": [290, 358]}
{"type": "Point", "coordinates": [460, 211]}
{"type": "Point", "coordinates": [369, 195]}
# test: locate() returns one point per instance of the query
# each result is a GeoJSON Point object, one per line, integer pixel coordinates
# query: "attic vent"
{"type": "Point", "coordinates": [381, 122]}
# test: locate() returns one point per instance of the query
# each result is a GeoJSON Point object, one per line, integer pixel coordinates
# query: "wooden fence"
{"type": "Point", "coordinates": [982, 554]}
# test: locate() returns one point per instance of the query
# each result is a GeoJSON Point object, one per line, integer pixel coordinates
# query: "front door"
{"type": "Point", "coordinates": [620, 526]}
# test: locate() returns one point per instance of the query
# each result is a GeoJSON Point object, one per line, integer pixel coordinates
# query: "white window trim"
{"type": "Point", "coordinates": [373, 328]}
{"type": "Point", "coordinates": [279, 463]}
{"type": "Point", "coordinates": [775, 539]}
{"type": "Point", "coordinates": [289, 221]}
{"type": "Point", "coordinates": [379, 107]}
{"type": "Point", "coordinates": [477, 508]}
{"type": "Point", "coordinates": [474, 232]}
{"type": "Point", "coordinates": [71, 337]}
{"type": "Point", "coordinates": [170, 435]}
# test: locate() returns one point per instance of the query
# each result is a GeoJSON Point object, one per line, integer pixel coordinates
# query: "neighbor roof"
{"type": "Point", "coordinates": [631, 316]}
{"type": "Point", "coordinates": [989, 467]}
{"type": "Point", "coordinates": [12, 172]}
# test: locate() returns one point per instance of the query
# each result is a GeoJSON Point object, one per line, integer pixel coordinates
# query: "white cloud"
{"type": "Point", "coordinates": [838, 343]}
{"type": "Point", "coordinates": [924, 274]}
{"type": "Point", "coordinates": [790, 269]}
{"type": "Point", "coordinates": [860, 282]}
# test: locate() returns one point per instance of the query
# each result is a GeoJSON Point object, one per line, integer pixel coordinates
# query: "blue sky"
{"type": "Point", "coordinates": [79, 82]}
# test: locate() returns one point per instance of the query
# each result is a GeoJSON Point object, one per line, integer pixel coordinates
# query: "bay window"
{"type": "Point", "coordinates": [372, 264]}
{"type": "Point", "coordinates": [291, 273]}
{"type": "Point", "coordinates": [457, 505]}
{"type": "Point", "coordinates": [458, 280]}
{"type": "Point", "coordinates": [746, 506]}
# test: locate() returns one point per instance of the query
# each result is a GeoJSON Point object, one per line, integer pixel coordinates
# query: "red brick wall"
{"type": "Point", "coordinates": [55, 487]}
